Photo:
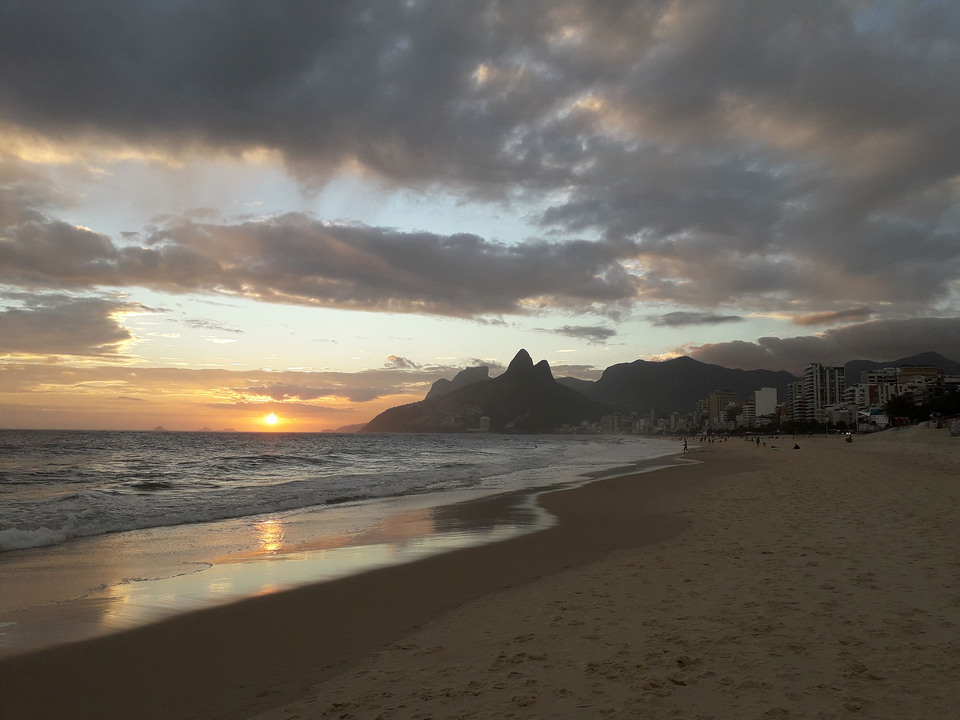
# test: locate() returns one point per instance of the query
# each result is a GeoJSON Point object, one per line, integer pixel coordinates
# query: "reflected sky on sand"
{"type": "Point", "coordinates": [129, 579]}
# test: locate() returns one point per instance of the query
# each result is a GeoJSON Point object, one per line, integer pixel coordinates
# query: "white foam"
{"type": "Point", "coordinates": [109, 493]}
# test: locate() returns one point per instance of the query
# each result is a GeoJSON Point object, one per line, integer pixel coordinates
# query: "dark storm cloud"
{"type": "Point", "coordinates": [60, 325]}
{"type": "Point", "coordinates": [682, 319]}
{"type": "Point", "coordinates": [878, 340]}
{"type": "Point", "coordinates": [776, 155]}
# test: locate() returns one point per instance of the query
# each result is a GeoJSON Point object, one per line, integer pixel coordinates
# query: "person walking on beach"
{"type": "Point", "coordinates": [684, 444]}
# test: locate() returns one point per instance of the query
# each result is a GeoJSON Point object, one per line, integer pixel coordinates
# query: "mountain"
{"type": "Point", "coordinates": [525, 398]}
{"type": "Point", "coordinates": [673, 385]}
{"type": "Point", "coordinates": [464, 377]}
{"type": "Point", "coordinates": [347, 428]}
{"type": "Point", "coordinates": [853, 368]}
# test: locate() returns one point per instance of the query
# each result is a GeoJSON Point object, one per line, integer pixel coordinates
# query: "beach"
{"type": "Point", "coordinates": [819, 582]}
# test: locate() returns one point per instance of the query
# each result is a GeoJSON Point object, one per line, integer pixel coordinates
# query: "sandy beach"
{"type": "Point", "coordinates": [822, 582]}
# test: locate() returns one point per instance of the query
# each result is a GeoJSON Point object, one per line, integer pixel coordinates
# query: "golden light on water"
{"type": "Point", "coordinates": [270, 535]}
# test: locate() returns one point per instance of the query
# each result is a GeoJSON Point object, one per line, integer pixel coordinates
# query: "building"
{"type": "Point", "coordinates": [702, 412]}
{"type": "Point", "coordinates": [921, 374]}
{"type": "Point", "coordinates": [883, 376]}
{"type": "Point", "coordinates": [919, 382]}
{"type": "Point", "coordinates": [719, 401]}
{"type": "Point", "coordinates": [823, 388]}
{"type": "Point", "coordinates": [796, 401]}
{"type": "Point", "coordinates": [765, 401]}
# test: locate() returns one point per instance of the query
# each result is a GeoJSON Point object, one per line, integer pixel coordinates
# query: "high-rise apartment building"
{"type": "Point", "coordinates": [719, 401]}
{"type": "Point", "coordinates": [765, 401]}
{"type": "Point", "coordinates": [796, 402]}
{"type": "Point", "coordinates": [823, 387]}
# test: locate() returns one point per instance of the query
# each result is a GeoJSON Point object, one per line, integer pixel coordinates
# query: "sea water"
{"type": "Point", "coordinates": [57, 486]}
{"type": "Point", "coordinates": [105, 530]}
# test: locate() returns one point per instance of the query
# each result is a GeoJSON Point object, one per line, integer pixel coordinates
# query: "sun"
{"type": "Point", "coordinates": [271, 419]}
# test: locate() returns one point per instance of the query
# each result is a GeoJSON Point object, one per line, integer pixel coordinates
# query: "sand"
{"type": "Point", "coordinates": [822, 582]}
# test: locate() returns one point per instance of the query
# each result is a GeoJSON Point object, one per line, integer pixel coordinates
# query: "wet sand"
{"type": "Point", "coordinates": [815, 583]}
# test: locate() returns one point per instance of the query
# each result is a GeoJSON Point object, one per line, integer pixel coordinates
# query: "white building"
{"type": "Point", "coordinates": [823, 387]}
{"type": "Point", "coordinates": [765, 401]}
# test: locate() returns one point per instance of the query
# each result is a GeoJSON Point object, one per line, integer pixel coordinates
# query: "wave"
{"type": "Point", "coordinates": [187, 482]}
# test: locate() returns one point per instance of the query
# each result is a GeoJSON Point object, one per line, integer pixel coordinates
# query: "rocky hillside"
{"type": "Point", "coordinates": [463, 378]}
{"type": "Point", "coordinates": [673, 385]}
{"type": "Point", "coordinates": [525, 398]}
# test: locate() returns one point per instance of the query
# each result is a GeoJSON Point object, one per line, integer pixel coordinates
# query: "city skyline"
{"type": "Point", "coordinates": [211, 214]}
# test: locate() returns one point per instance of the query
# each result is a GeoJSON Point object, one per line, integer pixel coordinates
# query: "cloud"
{"type": "Point", "coordinates": [304, 410]}
{"type": "Point", "coordinates": [830, 318]}
{"type": "Point", "coordinates": [401, 363]}
{"type": "Point", "coordinates": [878, 340]}
{"type": "Point", "coordinates": [294, 259]}
{"type": "Point", "coordinates": [682, 319]}
{"type": "Point", "coordinates": [590, 333]}
{"type": "Point", "coordinates": [583, 372]}
{"type": "Point", "coordinates": [26, 192]}
{"type": "Point", "coordinates": [283, 392]}
{"type": "Point", "coordinates": [203, 324]}
{"type": "Point", "coordinates": [62, 325]}
{"type": "Point", "coordinates": [252, 386]}
{"type": "Point", "coordinates": [790, 157]}
{"type": "Point", "coordinates": [494, 366]}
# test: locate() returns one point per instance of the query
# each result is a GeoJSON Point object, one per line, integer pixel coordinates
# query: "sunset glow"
{"type": "Point", "coordinates": [593, 187]}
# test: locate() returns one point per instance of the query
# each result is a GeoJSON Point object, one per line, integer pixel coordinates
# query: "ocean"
{"type": "Point", "coordinates": [58, 486]}
{"type": "Point", "coordinates": [153, 522]}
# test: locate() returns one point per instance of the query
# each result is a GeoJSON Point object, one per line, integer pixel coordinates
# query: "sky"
{"type": "Point", "coordinates": [215, 211]}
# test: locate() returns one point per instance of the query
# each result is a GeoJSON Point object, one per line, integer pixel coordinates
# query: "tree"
{"type": "Point", "coordinates": [900, 406]}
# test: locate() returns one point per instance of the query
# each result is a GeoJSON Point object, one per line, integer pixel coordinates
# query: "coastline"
{"type": "Point", "coordinates": [103, 582]}
{"type": "Point", "coordinates": [822, 582]}
{"type": "Point", "coordinates": [261, 650]}
{"type": "Point", "coordinates": [815, 583]}
{"type": "Point", "coordinates": [109, 583]}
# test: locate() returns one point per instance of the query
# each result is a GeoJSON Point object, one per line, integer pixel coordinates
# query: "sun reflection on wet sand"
{"type": "Point", "coordinates": [282, 552]}
{"type": "Point", "coordinates": [271, 535]}
{"type": "Point", "coordinates": [137, 603]}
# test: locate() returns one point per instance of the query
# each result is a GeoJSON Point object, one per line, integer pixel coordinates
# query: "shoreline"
{"type": "Point", "coordinates": [185, 653]}
{"type": "Point", "coordinates": [114, 582]}
{"type": "Point", "coordinates": [118, 581]}
{"type": "Point", "coordinates": [812, 583]}
{"type": "Point", "coordinates": [822, 582]}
